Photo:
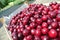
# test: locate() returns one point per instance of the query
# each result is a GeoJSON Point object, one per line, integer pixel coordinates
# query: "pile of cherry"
{"type": "Point", "coordinates": [37, 22]}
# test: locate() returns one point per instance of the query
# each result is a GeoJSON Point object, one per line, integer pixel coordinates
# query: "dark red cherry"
{"type": "Point", "coordinates": [38, 21]}
{"type": "Point", "coordinates": [32, 31]}
{"type": "Point", "coordinates": [38, 33]}
{"type": "Point", "coordinates": [54, 24]}
{"type": "Point", "coordinates": [29, 37]}
{"type": "Point", "coordinates": [58, 17]}
{"type": "Point", "coordinates": [44, 30]}
{"type": "Point", "coordinates": [44, 25]}
{"type": "Point", "coordinates": [44, 18]}
{"type": "Point", "coordinates": [25, 32]}
{"type": "Point", "coordinates": [44, 37]}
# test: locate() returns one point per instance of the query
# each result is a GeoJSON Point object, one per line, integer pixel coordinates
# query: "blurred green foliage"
{"type": "Point", "coordinates": [4, 3]}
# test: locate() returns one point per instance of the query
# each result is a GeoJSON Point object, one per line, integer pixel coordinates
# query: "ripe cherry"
{"type": "Point", "coordinates": [53, 33]}
{"type": "Point", "coordinates": [44, 25]}
{"type": "Point", "coordinates": [45, 30]}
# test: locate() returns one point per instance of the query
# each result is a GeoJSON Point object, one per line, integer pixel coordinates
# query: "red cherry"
{"type": "Point", "coordinates": [44, 25]}
{"type": "Point", "coordinates": [45, 30]}
{"type": "Point", "coordinates": [49, 21]}
{"type": "Point", "coordinates": [44, 18]}
{"type": "Point", "coordinates": [44, 12]}
{"type": "Point", "coordinates": [36, 16]}
{"type": "Point", "coordinates": [32, 31]}
{"type": "Point", "coordinates": [18, 30]}
{"type": "Point", "coordinates": [37, 38]}
{"type": "Point", "coordinates": [38, 33]}
{"type": "Point", "coordinates": [54, 20]}
{"type": "Point", "coordinates": [28, 28]}
{"type": "Point", "coordinates": [13, 21]}
{"type": "Point", "coordinates": [44, 37]}
{"type": "Point", "coordinates": [25, 32]}
{"type": "Point", "coordinates": [39, 27]}
{"type": "Point", "coordinates": [24, 38]}
{"type": "Point", "coordinates": [49, 27]}
{"type": "Point", "coordinates": [32, 19]}
{"type": "Point", "coordinates": [54, 24]}
{"type": "Point", "coordinates": [29, 37]}
{"type": "Point", "coordinates": [39, 21]}
{"type": "Point", "coordinates": [32, 25]}
{"type": "Point", "coordinates": [52, 33]}
{"type": "Point", "coordinates": [58, 17]}
{"type": "Point", "coordinates": [19, 20]}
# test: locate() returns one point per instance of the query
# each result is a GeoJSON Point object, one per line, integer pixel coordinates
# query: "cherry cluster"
{"type": "Point", "coordinates": [37, 22]}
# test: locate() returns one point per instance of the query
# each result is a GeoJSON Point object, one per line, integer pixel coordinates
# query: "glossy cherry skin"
{"type": "Point", "coordinates": [39, 21]}
{"type": "Point", "coordinates": [36, 38]}
{"type": "Point", "coordinates": [38, 33]}
{"type": "Point", "coordinates": [44, 18]}
{"type": "Point", "coordinates": [44, 30]}
{"type": "Point", "coordinates": [29, 37]}
{"type": "Point", "coordinates": [32, 19]}
{"type": "Point", "coordinates": [49, 21]}
{"type": "Point", "coordinates": [44, 37]}
{"type": "Point", "coordinates": [39, 27]}
{"type": "Point", "coordinates": [36, 16]}
{"type": "Point", "coordinates": [53, 14]}
{"type": "Point", "coordinates": [18, 30]}
{"type": "Point", "coordinates": [13, 21]}
{"type": "Point", "coordinates": [25, 32]}
{"type": "Point", "coordinates": [14, 36]}
{"type": "Point", "coordinates": [44, 25]}
{"type": "Point", "coordinates": [33, 31]}
{"type": "Point", "coordinates": [58, 17]}
{"type": "Point", "coordinates": [32, 25]}
{"type": "Point", "coordinates": [28, 28]}
{"type": "Point", "coordinates": [52, 33]}
{"type": "Point", "coordinates": [25, 38]}
{"type": "Point", "coordinates": [54, 24]}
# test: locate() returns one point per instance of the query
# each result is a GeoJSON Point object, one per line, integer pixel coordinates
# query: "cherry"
{"type": "Point", "coordinates": [33, 31]}
{"type": "Point", "coordinates": [39, 27]}
{"type": "Point", "coordinates": [44, 37]}
{"type": "Point", "coordinates": [20, 35]}
{"type": "Point", "coordinates": [44, 18]}
{"type": "Point", "coordinates": [49, 21]}
{"type": "Point", "coordinates": [13, 21]}
{"type": "Point", "coordinates": [32, 19]}
{"type": "Point", "coordinates": [25, 38]}
{"type": "Point", "coordinates": [36, 16]}
{"type": "Point", "coordinates": [14, 36]}
{"type": "Point", "coordinates": [24, 22]}
{"type": "Point", "coordinates": [38, 33]}
{"type": "Point", "coordinates": [54, 20]}
{"type": "Point", "coordinates": [44, 12]}
{"type": "Point", "coordinates": [37, 38]}
{"type": "Point", "coordinates": [32, 25]}
{"type": "Point", "coordinates": [19, 20]}
{"type": "Point", "coordinates": [29, 37]}
{"type": "Point", "coordinates": [52, 33]}
{"type": "Point", "coordinates": [28, 28]}
{"type": "Point", "coordinates": [49, 27]}
{"type": "Point", "coordinates": [25, 32]}
{"type": "Point", "coordinates": [44, 25]}
{"type": "Point", "coordinates": [18, 30]}
{"type": "Point", "coordinates": [54, 24]}
{"type": "Point", "coordinates": [45, 30]}
{"type": "Point", "coordinates": [53, 14]}
{"type": "Point", "coordinates": [39, 21]}
{"type": "Point", "coordinates": [58, 17]}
